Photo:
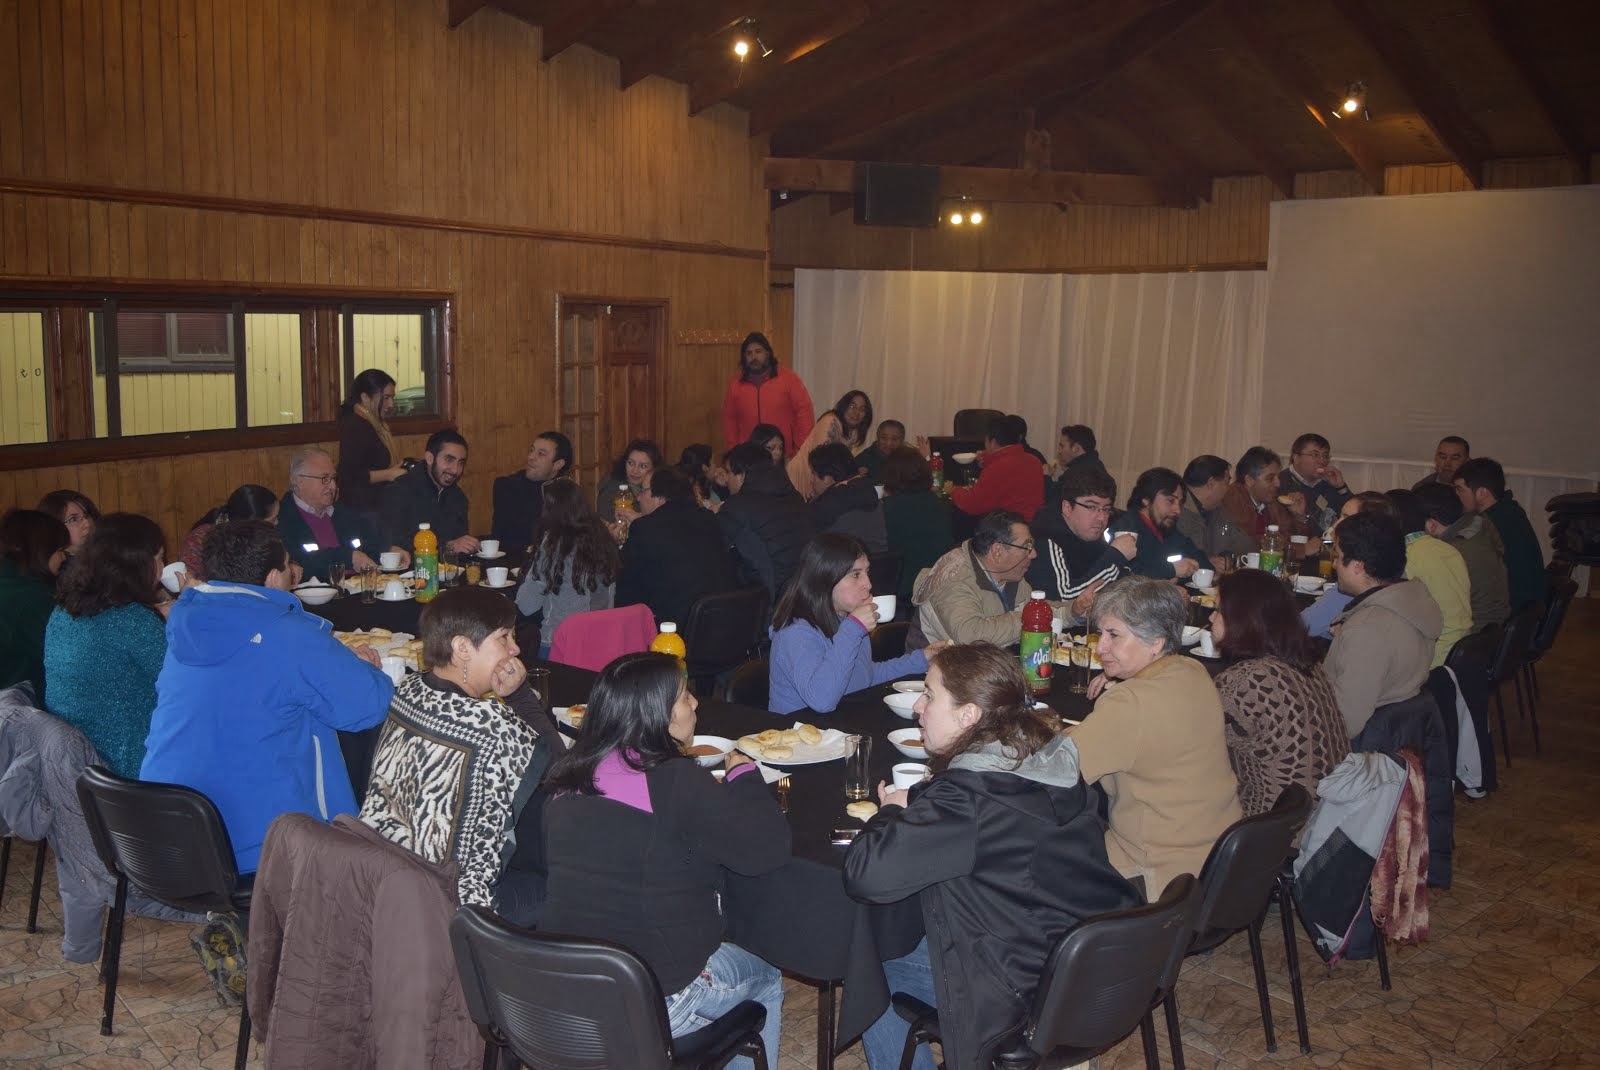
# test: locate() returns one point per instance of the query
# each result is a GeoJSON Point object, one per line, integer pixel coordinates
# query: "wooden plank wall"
{"type": "Point", "coordinates": [362, 144]}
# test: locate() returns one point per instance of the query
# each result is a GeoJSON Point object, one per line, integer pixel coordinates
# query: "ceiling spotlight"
{"type": "Point", "coordinates": [956, 218]}
{"type": "Point", "coordinates": [964, 213]}
{"type": "Point", "coordinates": [748, 40]}
{"type": "Point", "coordinates": [976, 215]}
{"type": "Point", "coordinates": [1352, 103]}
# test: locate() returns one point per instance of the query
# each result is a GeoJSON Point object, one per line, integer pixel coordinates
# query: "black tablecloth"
{"type": "Point", "coordinates": [798, 917]}
{"type": "Point", "coordinates": [349, 613]}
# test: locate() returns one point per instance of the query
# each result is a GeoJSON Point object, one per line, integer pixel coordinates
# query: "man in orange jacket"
{"type": "Point", "coordinates": [764, 393]}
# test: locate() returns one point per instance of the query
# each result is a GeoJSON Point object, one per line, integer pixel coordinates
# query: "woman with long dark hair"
{"type": "Point", "coordinates": [249, 502]}
{"type": "Point", "coordinates": [770, 438]}
{"type": "Point", "coordinates": [822, 631]}
{"type": "Point", "coordinates": [75, 510]}
{"type": "Point", "coordinates": [854, 411]}
{"type": "Point", "coordinates": [368, 458]}
{"type": "Point", "coordinates": [1282, 720]}
{"type": "Point", "coordinates": [107, 637]}
{"type": "Point", "coordinates": [33, 547]}
{"type": "Point", "coordinates": [1004, 847]}
{"type": "Point", "coordinates": [637, 838]}
{"type": "Point", "coordinates": [575, 562]}
{"type": "Point", "coordinates": [638, 459]}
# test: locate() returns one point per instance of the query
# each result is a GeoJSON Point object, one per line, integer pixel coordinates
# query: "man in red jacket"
{"type": "Point", "coordinates": [763, 393]}
{"type": "Point", "coordinates": [1011, 478]}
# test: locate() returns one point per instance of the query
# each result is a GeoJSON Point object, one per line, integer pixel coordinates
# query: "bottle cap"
{"type": "Point", "coordinates": [1037, 594]}
{"type": "Point", "coordinates": [622, 486]}
{"type": "Point", "coordinates": [424, 527]}
{"type": "Point", "coordinates": [668, 628]}
{"type": "Point", "coordinates": [1272, 527]}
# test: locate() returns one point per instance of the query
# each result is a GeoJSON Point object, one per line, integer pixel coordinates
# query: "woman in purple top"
{"type": "Point", "coordinates": [637, 837]}
{"type": "Point", "coordinates": [821, 632]}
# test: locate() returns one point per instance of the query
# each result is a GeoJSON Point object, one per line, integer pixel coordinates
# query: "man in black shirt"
{"type": "Point", "coordinates": [1075, 561]}
{"type": "Point", "coordinates": [675, 552]}
{"type": "Point", "coordinates": [431, 494]}
{"type": "Point", "coordinates": [519, 497]}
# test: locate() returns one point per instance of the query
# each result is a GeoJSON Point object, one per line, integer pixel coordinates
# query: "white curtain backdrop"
{"type": "Point", "coordinates": [1162, 366]}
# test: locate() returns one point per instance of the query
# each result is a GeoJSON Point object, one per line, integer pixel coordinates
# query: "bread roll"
{"type": "Point", "coordinates": [809, 734]}
{"type": "Point", "coordinates": [776, 751]}
{"type": "Point", "coordinates": [379, 633]}
{"type": "Point", "coordinates": [768, 737]}
{"type": "Point", "coordinates": [861, 810]}
{"type": "Point", "coordinates": [789, 737]}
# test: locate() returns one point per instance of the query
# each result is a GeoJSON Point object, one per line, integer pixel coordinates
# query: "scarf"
{"type": "Point", "coordinates": [380, 427]}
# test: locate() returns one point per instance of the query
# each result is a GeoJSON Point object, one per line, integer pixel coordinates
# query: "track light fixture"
{"type": "Point", "coordinates": [965, 213]}
{"type": "Point", "coordinates": [748, 40]}
{"type": "Point", "coordinates": [1352, 103]}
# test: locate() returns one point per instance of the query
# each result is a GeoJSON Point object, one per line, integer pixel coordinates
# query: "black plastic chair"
{"type": "Point", "coordinates": [561, 1003]}
{"type": "Point", "coordinates": [748, 684]}
{"type": "Point", "coordinates": [885, 570]}
{"type": "Point", "coordinates": [1103, 980]}
{"type": "Point", "coordinates": [1557, 602]}
{"type": "Point", "coordinates": [1237, 882]}
{"type": "Point", "coordinates": [973, 423]}
{"type": "Point", "coordinates": [889, 640]}
{"type": "Point", "coordinates": [1506, 668]}
{"type": "Point", "coordinates": [722, 631]}
{"type": "Point", "coordinates": [38, 878]}
{"type": "Point", "coordinates": [1471, 660]}
{"type": "Point", "coordinates": [170, 841]}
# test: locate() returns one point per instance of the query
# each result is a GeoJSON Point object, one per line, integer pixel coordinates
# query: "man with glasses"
{"type": "Point", "coordinates": [1310, 474]}
{"type": "Point", "coordinates": [317, 534]}
{"type": "Point", "coordinates": [975, 593]}
{"type": "Point", "coordinates": [1075, 560]}
{"type": "Point", "coordinates": [1163, 552]}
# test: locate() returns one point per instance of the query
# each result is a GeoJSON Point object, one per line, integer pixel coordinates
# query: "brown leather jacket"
{"type": "Point", "coordinates": [1241, 512]}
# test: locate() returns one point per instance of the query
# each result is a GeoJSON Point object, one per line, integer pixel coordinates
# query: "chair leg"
{"type": "Point", "coordinates": [1174, 1031]}
{"type": "Point", "coordinates": [1533, 710]}
{"type": "Point", "coordinates": [491, 1055]}
{"type": "Point", "coordinates": [38, 887]}
{"type": "Point", "coordinates": [1505, 740]}
{"type": "Point", "coordinates": [5, 864]}
{"type": "Point", "coordinates": [1516, 687]}
{"type": "Point", "coordinates": [825, 1001]}
{"type": "Point", "coordinates": [1291, 952]}
{"type": "Point", "coordinates": [113, 953]}
{"type": "Point", "coordinates": [1533, 677]}
{"type": "Point", "coordinates": [241, 1053]}
{"type": "Point", "coordinates": [756, 1049]}
{"type": "Point", "coordinates": [908, 1052]}
{"type": "Point", "coordinates": [1258, 961]}
{"type": "Point", "coordinates": [1147, 1034]}
{"type": "Point", "coordinates": [1383, 963]}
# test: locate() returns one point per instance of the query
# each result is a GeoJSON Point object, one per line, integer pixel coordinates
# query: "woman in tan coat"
{"type": "Point", "coordinates": [1155, 740]}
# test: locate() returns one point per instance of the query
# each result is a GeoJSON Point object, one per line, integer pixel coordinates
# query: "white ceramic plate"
{"type": "Point", "coordinates": [560, 714]}
{"type": "Point", "coordinates": [831, 749]}
{"type": "Point", "coordinates": [497, 586]}
{"type": "Point", "coordinates": [1197, 652]}
{"type": "Point", "coordinates": [901, 702]}
{"type": "Point", "coordinates": [406, 595]}
{"type": "Point", "coordinates": [899, 736]}
{"type": "Point", "coordinates": [497, 555]}
{"type": "Point", "coordinates": [963, 458]}
{"type": "Point", "coordinates": [910, 687]}
{"type": "Point", "coordinates": [713, 761]}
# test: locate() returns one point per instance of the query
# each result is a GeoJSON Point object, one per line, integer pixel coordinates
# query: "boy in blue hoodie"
{"type": "Point", "coordinates": [254, 691]}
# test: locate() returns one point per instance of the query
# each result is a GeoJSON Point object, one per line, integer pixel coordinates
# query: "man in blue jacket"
{"type": "Point", "coordinates": [254, 691]}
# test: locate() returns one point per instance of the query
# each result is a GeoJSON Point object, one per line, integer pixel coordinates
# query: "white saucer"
{"type": "Point", "coordinates": [1197, 652]}
{"type": "Point", "coordinates": [497, 586]}
{"type": "Point", "coordinates": [408, 596]}
{"type": "Point", "coordinates": [497, 555]}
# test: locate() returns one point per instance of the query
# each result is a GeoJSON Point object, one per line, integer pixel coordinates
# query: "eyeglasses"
{"type": "Point", "coordinates": [1315, 455]}
{"type": "Point", "coordinates": [1026, 547]}
{"type": "Point", "coordinates": [73, 520]}
{"type": "Point", "coordinates": [1103, 510]}
{"type": "Point", "coordinates": [324, 480]}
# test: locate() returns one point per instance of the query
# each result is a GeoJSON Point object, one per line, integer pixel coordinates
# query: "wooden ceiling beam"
{"type": "Point", "coordinates": [1508, 37]}
{"type": "Point", "coordinates": [569, 23]}
{"type": "Point", "coordinates": [1011, 67]}
{"type": "Point", "coordinates": [459, 11]}
{"type": "Point", "coordinates": [838, 18]}
{"type": "Point", "coordinates": [1408, 66]}
{"type": "Point", "coordinates": [997, 184]}
{"type": "Point", "coordinates": [1293, 78]}
{"type": "Point", "coordinates": [1155, 151]}
{"type": "Point", "coordinates": [1178, 74]}
{"type": "Point", "coordinates": [667, 47]}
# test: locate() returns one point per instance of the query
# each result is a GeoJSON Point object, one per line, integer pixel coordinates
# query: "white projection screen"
{"type": "Point", "coordinates": [1393, 321]}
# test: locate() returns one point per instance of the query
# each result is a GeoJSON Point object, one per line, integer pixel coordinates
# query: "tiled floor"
{"type": "Point", "coordinates": [1509, 978]}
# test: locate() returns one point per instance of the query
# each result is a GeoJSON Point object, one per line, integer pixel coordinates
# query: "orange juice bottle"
{"type": "Point", "coordinates": [425, 563]}
{"type": "Point", "coordinates": [668, 641]}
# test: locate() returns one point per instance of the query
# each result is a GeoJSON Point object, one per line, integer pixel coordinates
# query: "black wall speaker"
{"type": "Point", "coordinates": [897, 194]}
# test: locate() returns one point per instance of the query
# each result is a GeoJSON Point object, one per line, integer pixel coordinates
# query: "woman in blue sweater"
{"type": "Point", "coordinates": [821, 632]}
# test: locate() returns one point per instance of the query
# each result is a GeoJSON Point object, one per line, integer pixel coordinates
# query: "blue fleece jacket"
{"type": "Point", "coordinates": [249, 703]}
{"type": "Point", "coordinates": [811, 671]}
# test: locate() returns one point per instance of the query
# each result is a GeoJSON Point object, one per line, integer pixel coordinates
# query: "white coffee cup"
{"type": "Point", "coordinates": [489, 547]}
{"type": "Point", "coordinates": [394, 590]}
{"type": "Point", "coordinates": [395, 667]}
{"type": "Point", "coordinates": [1252, 560]}
{"type": "Point", "coordinates": [879, 488]}
{"type": "Point", "coordinates": [497, 575]}
{"type": "Point", "coordinates": [886, 605]}
{"type": "Point", "coordinates": [389, 559]}
{"type": "Point", "coordinates": [1204, 577]}
{"type": "Point", "coordinates": [172, 576]}
{"type": "Point", "coordinates": [1208, 645]}
{"type": "Point", "coordinates": [909, 773]}
{"type": "Point", "coordinates": [1299, 540]}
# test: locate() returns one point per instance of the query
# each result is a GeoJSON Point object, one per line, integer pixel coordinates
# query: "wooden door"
{"type": "Point", "coordinates": [613, 382]}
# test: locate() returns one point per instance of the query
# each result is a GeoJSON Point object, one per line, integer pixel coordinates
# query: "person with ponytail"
{"type": "Point", "coordinates": [367, 455]}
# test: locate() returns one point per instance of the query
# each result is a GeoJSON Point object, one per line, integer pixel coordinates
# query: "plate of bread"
{"type": "Point", "coordinates": [804, 744]}
{"type": "Point", "coordinates": [386, 644]}
{"type": "Point", "coordinates": [570, 717]}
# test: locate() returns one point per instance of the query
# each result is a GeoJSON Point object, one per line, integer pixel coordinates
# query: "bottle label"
{"type": "Point", "coordinates": [1036, 661]}
{"type": "Point", "coordinates": [1272, 562]}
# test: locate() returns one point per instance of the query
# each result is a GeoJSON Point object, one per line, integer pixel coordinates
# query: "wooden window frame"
{"type": "Point", "coordinates": [69, 303]}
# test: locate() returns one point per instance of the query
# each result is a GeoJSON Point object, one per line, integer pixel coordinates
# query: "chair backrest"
{"type": "Point", "coordinates": [595, 639]}
{"type": "Point", "coordinates": [889, 640]}
{"type": "Point", "coordinates": [166, 839]}
{"type": "Point", "coordinates": [723, 628]}
{"type": "Point", "coordinates": [1514, 642]}
{"type": "Point", "coordinates": [885, 570]}
{"type": "Point", "coordinates": [749, 685]}
{"type": "Point", "coordinates": [973, 423]}
{"type": "Point", "coordinates": [1475, 653]}
{"type": "Point", "coordinates": [1106, 974]}
{"type": "Point", "coordinates": [558, 1002]}
{"type": "Point", "coordinates": [1562, 592]}
{"type": "Point", "coordinates": [1243, 866]}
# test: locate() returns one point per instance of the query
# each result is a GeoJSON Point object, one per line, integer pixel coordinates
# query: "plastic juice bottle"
{"type": "Point", "coordinates": [425, 562]}
{"type": "Point", "coordinates": [1037, 663]}
{"type": "Point", "coordinates": [937, 464]}
{"type": "Point", "coordinates": [1325, 562]}
{"type": "Point", "coordinates": [622, 499]}
{"type": "Point", "coordinates": [1272, 547]}
{"type": "Point", "coordinates": [668, 641]}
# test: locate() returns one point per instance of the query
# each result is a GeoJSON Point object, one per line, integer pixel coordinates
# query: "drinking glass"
{"type": "Point", "coordinates": [1291, 566]}
{"type": "Point", "coordinates": [539, 680]}
{"type": "Point", "coordinates": [336, 577]}
{"type": "Point", "coordinates": [1078, 678]}
{"type": "Point", "coordinates": [449, 569]}
{"type": "Point", "coordinates": [369, 584]}
{"type": "Point", "coordinates": [857, 767]}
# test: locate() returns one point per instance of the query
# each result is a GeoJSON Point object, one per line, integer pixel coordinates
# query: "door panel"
{"type": "Point", "coordinates": [612, 381]}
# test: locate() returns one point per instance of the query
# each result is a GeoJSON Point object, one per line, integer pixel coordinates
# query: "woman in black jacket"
{"type": "Point", "coordinates": [637, 837]}
{"type": "Point", "coordinates": [1004, 847]}
{"type": "Point", "coordinates": [764, 518]}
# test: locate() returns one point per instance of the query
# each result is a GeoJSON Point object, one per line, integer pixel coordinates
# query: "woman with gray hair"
{"type": "Point", "coordinates": [1155, 739]}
